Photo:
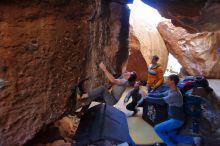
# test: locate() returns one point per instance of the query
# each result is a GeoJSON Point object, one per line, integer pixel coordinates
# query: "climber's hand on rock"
{"type": "Point", "coordinates": [102, 66]}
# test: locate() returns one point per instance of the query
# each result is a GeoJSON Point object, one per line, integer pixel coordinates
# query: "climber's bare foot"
{"type": "Point", "coordinates": [82, 102]}
{"type": "Point", "coordinates": [84, 96]}
{"type": "Point", "coordinates": [79, 94]}
{"type": "Point", "coordinates": [81, 85]}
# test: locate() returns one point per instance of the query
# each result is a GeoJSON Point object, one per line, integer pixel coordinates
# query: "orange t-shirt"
{"type": "Point", "coordinates": [154, 76]}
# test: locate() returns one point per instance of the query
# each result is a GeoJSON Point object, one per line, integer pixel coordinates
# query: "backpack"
{"type": "Point", "coordinates": [193, 81]}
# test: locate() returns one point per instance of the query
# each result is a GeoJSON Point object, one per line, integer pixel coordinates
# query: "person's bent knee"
{"type": "Point", "coordinates": [102, 88]}
{"type": "Point", "coordinates": [97, 92]}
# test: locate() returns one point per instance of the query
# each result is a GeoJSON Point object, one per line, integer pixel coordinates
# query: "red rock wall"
{"type": "Point", "coordinates": [45, 47]}
{"type": "Point", "coordinates": [198, 53]}
{"type": "Point", "coordinates": [192, 15]}
{"type": "Point", "coordinates": [136, 61]}
{"type": "Point", "coordinates": [110, 44]}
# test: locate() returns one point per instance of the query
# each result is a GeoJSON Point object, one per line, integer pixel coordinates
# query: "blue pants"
{"type": "Point", "coordinates": [167, 131]}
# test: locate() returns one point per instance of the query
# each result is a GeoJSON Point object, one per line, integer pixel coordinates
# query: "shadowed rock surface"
{"type": "Point", "coordinates": [45, 47]}
{"type": "Point", "coordinates": [194, 15]}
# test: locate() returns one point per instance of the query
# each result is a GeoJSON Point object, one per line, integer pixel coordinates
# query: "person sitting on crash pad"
{"type": "Point", "coordinates": [155, 74]}
{"type": "Point", "coordinates": [103, 95]}
{"type": "Point", "coordinates": [137, 98]}
{"type": "Point", "coordinates": [168, 130]}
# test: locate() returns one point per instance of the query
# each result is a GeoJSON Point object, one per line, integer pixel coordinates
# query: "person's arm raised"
{"type": "Point", "coordinates": [110, 77]}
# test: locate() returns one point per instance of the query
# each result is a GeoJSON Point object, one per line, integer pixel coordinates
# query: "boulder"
{"type": "Point", "coordinates": [59, 133]}
{"type": "Point", "coordinates": [198, 53]}
{"type": "Point", "coordinates": [192, 15]}
{"type": "Point", "coordinates": [45, 48]}
{"type": "Point", "coordinates": [56, 143]}
{"type": "Point", "coordinates": [67, 127]}
{"type": "Point", "coordinates": [151, 42]}
{"type": "Point", "coordinates": [136, 61]}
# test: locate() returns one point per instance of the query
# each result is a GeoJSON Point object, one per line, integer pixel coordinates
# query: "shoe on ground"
{"type": "Point", "coordinates": [197, 141]}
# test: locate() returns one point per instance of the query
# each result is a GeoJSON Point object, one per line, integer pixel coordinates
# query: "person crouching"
{"type": "Point", "coordinates": [168, 130]}
{"type": "Point", "coordinates": [137, 95]}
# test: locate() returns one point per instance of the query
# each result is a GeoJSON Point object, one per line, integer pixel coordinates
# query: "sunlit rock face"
{"type": "Point", "coordinates": [136, 61]}
{"type": "Point", "coordinates": [198, 53]}
{"type": "Point", "coordinates": [194, 15]}
{"type": "Point", "coordinates": [151, 42]}
{"type": "Point", "coordinates": [60, 133]}
{"type": "Point", "coordinates": [45, 47]}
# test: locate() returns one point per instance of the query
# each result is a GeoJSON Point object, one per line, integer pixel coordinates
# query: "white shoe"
{"type": "Point", "coordinates": [197, 141]}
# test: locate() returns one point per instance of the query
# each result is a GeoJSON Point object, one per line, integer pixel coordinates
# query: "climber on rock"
{"type": "Point", "coordinates": [155, 74]}
{"type": "Point", "coordinates": [102, 94]}
{"type": "Point", "coordinates": [137, 95]}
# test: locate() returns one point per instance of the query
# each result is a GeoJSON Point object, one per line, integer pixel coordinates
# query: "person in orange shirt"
{"type": "Point", "coordinates": [155, 74]}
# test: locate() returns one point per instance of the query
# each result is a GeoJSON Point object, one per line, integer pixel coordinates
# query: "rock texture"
{"type": "Point", "coordinates": [58, 134]}
{"type": "Point", "coordinates": [109, 30]}
{"type": "Point", "coordinates": [57, 143]}
{"type": "Point", "coordinates": [151, 43]}
{"type": "Point", "coordinates": [136, 61]}
{"type": "Point", "coordinates": [45, 47]}
{"type": "Point", "coordinates": [194, 15]}
{"type": "Point", "coordinates": [198, 53]}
